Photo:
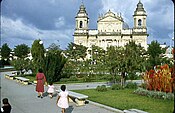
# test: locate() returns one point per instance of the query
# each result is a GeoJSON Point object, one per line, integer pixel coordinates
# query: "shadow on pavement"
{"type": "Point", "coordinates": [45, 94]}
{"type": "Point", "coordinates": [70, 109]}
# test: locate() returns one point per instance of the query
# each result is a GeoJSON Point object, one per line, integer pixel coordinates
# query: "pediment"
{"type": "Point", "coordinates": [110, 16]}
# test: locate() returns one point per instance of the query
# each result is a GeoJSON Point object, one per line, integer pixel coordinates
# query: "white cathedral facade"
{"type": "Point", "coordinates": [111, 29]}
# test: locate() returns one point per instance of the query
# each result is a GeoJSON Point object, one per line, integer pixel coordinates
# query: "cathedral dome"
{"type": "Point", "coordinates": [125, 25]}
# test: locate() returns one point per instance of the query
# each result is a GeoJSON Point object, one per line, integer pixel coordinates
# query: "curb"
{"type": "Point", "coordinates": [106, 107]}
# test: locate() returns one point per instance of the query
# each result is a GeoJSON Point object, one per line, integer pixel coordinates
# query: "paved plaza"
{"type": "Point", "coordinates": [23, 99]}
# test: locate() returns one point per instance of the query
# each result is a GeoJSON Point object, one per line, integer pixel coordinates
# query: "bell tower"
{"type": "Point", "coordinates": [81, 26]}
{"type": "Point", "coordinates": [139, 17]}
{"type": "Point", "coordinates": [81, 19]}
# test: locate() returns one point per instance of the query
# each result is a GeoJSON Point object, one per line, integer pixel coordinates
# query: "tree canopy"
{"type": "Point", "coordinates": [38, 52]}
{"type": "Point", "coordinates": [125, 60]}
{"type": "Point", "coordinates": [53, 64]}
{"type": "Point", "coordinates": [21, 51]}
{"type": "Point", "coordinates": [154, 51]}
{"type": "Point", "coordinates": [5, 51]}
{"type": "Point", "coordinates": [75, 51]}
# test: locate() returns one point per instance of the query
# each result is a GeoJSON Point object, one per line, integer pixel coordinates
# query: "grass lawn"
{"type": "Point", "coordinates": [32, 78]}
{"type": "Point", "coordinates": [125, 99]}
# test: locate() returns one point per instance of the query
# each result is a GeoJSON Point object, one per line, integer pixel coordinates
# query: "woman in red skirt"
{"type": "Point", "coordinates": [41, 79]}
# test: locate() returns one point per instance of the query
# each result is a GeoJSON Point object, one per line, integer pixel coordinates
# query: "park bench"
{"type": "Point", "coordinates": [22, 80]}
{"type": "Point", "coordinates": [78, 98]}
{"type": "Point", "coordinates": [10, 75]}
{"type": "Point", "coordinates": [134, 111]}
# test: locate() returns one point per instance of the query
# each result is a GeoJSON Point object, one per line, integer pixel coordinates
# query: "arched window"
{"type": "Point", "coordinates": [139, 22]}
{"type": "Point", "coordinates": [81, 24]}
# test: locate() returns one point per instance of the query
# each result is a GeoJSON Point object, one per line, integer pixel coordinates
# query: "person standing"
{"type": "Point", "coordinates": [6, 108]}
{"type": "Point", "coordinates": [41, 79]}
{"type": "Point", "coordinates": [62, 100]}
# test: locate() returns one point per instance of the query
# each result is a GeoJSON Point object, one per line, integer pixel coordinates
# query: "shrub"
{"type": "Point", "coordinates": [143, 85]}
{"type": "Point", "coordinates": [86, 79]}
{"type": "Point", "coordinates": [155, 94]}
{"type": "Point", "coordinates": [101, 88]}
{"type": "Point", "coordinates": [73, 78]}
{"type": "Point", "coordinates": [64, 79]}
{"type": "Point", "coordinates": [131, 85]}
{"type": "Point", "coordinates": [116, 87]}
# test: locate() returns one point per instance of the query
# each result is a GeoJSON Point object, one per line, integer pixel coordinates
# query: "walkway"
{"type": "Point", "coordinates": [23, 99]}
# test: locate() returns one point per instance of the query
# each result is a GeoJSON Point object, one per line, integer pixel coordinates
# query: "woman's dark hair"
{"type": "Point", "coordinates": [51, 83]}
{"type": "Point", "coordinates": [40, 70]}
{"type": "Point", "coordinates": [63, 87]}
{"type": "Point", "coordinates": [5, 101]}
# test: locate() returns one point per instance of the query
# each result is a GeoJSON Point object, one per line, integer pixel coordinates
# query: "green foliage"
{"type": "Point", "coordinates": [73, 78]}
{"type": "Point", "coordinates": [75, 51]}
{"type": "Point", "coordinates": [98, 55]}
{"type": "Point", "coordinates": [116, 87]}
{"type": "Point", "coordinates": [86, 78]}
{"type": "Point", "coordinates": [129, 59]}
{"type": "Point", "coordinates": [21, 64]}
{"type": "Point", "coordinates": [154, 51]}
{"type": "Point", "coordinates": [5, 51]}
{"type": "Point", "coordinates": [37, 52]}
{"type": "Point", "coordinates": [131, 85]}
{"type": "Point", "coordinates": [143, 85]}
{"type": "Point", "coordinates": [53, 65]}
{"type": "Point", "coordinates": [53, 46]}
{"type": "Point", "coordinates": [21, 51]}
{"type": "Point", "coordinates": [155, 94]}
{"type": "Point", "coordinates": [5, 54]}
{"type": "Point", "coordinates": [132, 76]}
{"type": "Point", "coordinates": [64, 79]}
{"type": "Point", "coordinates": [101, 88]}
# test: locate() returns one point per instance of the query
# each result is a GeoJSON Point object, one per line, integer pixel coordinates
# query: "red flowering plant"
{"type": "Point", "coordinates": [160, 79]}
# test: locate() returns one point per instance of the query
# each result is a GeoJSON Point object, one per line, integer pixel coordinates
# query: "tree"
{"type": "Point", "coordinates": [125, 60]}
{"type": "Point", "coordinates": [53, 46]}
{"type": "Point", "coordinates": [21, 64]}
{"type": "Point", "coordinates": [53, 64]}
{"type": "Point", "coordinates": [5, 51]}
{"type": "Point", "coordinates": [136, 58]}
{"type": "Point", "coordinates": [154, 51]}
{"type": "Point", "coordinates": [75, 51]}
{"type": "Point", "coordinates": [38, 52]}
{"type": "Point", "coordinates": [114, 60]}
{"type": "Point", "coordinates": [21, 51]}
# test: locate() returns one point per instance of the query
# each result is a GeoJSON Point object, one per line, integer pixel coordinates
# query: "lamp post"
{"type": "Point", "coordinates": [40, 53]}
{"type": "Point", "coordinates": [96, 52]}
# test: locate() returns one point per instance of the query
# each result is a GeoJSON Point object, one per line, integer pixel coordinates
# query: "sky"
{"type": "Point", "coordinates": [53, 21]}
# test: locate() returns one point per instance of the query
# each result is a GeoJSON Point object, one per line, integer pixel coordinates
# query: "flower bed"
{"type": "Point", "coordinates": [160, 79]}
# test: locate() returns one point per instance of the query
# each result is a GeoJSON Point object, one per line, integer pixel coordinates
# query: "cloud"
{"type": "Point", "coordinates": [118, 6]}
{"type": "Point", "coordinates": [17, 32]}
{"type": "Point", "coordinates": [16, 28]}
{"type": "Point", "coordinates": [160, 13]}
{"type": "Point", "coordinates": [23, 21]}
{"type": "Point", "coordinates": [59, 22]}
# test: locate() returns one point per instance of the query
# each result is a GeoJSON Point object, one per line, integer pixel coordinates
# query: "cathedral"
{"type": "Point", "coordinates": [111, 29]}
